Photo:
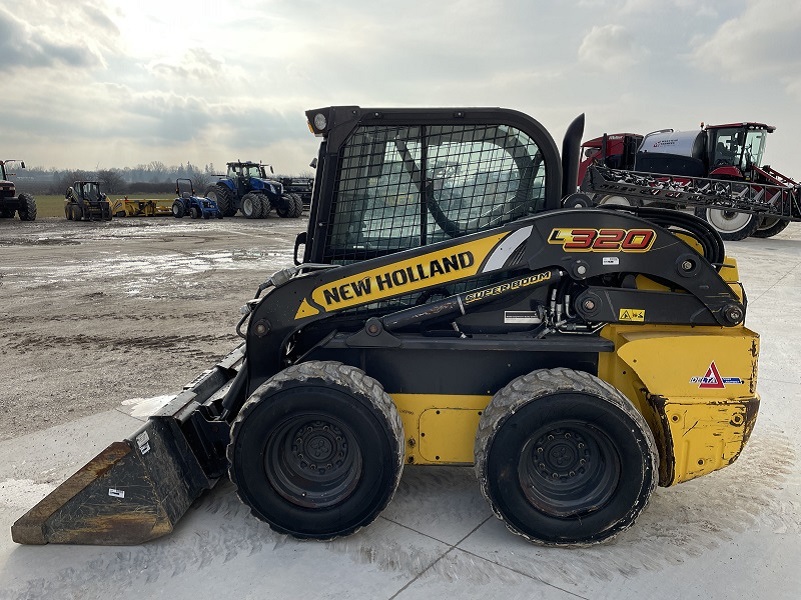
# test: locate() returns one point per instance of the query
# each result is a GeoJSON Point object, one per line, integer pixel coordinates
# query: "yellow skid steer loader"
{"type": "Point", "coordinates": [447, 311]}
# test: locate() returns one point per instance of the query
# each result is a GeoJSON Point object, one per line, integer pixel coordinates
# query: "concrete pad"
{"type": "Point", "coordinates": [733, 534]}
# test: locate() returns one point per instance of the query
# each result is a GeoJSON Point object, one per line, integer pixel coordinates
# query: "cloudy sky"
{"type": "Point", "coordinates": [112, 83]}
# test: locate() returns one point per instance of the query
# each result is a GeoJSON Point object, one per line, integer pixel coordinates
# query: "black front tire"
{"type": "Point", "coordinates": [317, 450]}
{"type": "Point", "coordinates": [297, 209]}
{"type": "Point", "coordinates": [252, 205]}
{"type": "Point", "coordinates": [290, 207]}
{"type": "Point", "coordinates": [194, 212]}
{"type": "Point", "coordinates": [564, 458]}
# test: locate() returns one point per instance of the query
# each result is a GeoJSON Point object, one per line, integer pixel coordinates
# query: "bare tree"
{"type": "Point", "coordinates": [67, 178]}
{"type": "Point", "coordinates": [200, 179]}
{"type": "Point", "coordinates": [158, 171]}
{"type": "Point", "coordinates": [112, 180]}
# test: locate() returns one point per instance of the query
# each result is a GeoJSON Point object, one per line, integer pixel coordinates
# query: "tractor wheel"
{"type": "Point", "coordinates": [194, 212]}
{"type": "Point", "coordinates": [224, 198]}
{"type": "Point", "coordinates": [77, 212]}
{"type": "Point", "coordinates": [618, 201]}
{"type": "Point", "coordinates": [266, 207]}
{"type": "Point", "coordinates": [251, 206]}
{"type": "Point", "coordinates": [298, 207]}
{"type": "Point", "coordinates": [178, 210]}
{"type": "Point", "coordinates": [264, 201]}
{"type": "Point", "coordinates": [732, 226]}
{"type": "Point", "coordinates": [770, 226]}
{"type": "Point", "coordinates": [317, 450]}
{"type": "Point", "coordinates": [68, 212]}
{"type": "Point", "coordinates": [288, 207]}
{"type": "Point", "coordinates": [27, 210]}
{"type": "Point", "coordinates": [577, 200]}
{"type": "Point", "coordinates": [564, 458]}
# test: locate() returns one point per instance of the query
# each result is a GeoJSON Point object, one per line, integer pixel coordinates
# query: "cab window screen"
{"type": "Point", "coordinates": [404, 187]}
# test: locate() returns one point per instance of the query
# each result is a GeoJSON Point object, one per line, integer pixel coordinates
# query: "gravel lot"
{"type": "Point", "coordinates": [93, 314]}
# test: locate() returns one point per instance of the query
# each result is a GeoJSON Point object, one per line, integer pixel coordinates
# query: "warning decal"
{"type": "Point", "coordinates": [631, 314]}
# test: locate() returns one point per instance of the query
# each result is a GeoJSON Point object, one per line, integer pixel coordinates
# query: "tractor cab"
{"type": "Point", "coordinates": [243, 173]}
{"type": "Point", "coordinates": [735, 149]}
{"type": "Point", "coordinates": [7, 188]}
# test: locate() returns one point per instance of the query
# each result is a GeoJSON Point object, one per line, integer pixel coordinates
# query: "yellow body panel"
{"type": "Point", "coordinates": [440, 429]}
{"type": "Point", "coordinates": [701, 421]}
{"type": "Point", "coordinates": [136, 207]}
{"type": "Point", "coordinates": [696, 387]}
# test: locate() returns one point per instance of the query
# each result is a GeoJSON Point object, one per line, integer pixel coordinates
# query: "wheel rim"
{"type": "Point", "coordinates": [311, 462]}
{"type": "Point", "coordinates": [615, 201]}
{"type": "Point", "coordinates": [727, 221]}
{"type": "Point", "coordinates": [766, 223]}
{"type": "Point", "coordinates": [568, 469]}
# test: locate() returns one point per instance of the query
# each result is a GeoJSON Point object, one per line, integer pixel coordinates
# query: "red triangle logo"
{"type": "Point", "coordinates": [712, 379]}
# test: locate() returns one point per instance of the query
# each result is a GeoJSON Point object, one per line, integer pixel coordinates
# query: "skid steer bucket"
{"type": "Point", "coordinates": [138, 489]}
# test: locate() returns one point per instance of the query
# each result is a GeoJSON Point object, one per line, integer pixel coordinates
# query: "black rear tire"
{"type": "Point", "coordinates": [224, 198]}
{"type": "Point", "coordinates": [770, 226]}
{"type": "Point", "coordinates": [178, 210]}
{"type": "Point", "coordinates": [564, 458]}
{"type": "Point", "coordinates": [27, 209]}
{"type": "Point", "coordinates": [317, 451]}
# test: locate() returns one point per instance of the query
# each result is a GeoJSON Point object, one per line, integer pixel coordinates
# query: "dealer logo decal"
{"type": "Point", "coordinates": [713, 380]}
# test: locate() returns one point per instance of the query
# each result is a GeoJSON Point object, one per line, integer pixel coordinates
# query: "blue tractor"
{"type": "Point", "coordinates": [188, 204]}
{"type": "Point", "coordinates": [248, 188]}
